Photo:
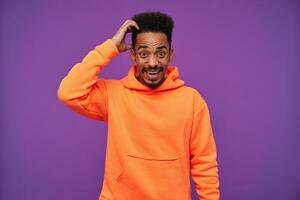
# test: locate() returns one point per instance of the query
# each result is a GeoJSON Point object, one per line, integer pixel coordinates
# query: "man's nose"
{"type": "Point", "coordinates": [152, 62]}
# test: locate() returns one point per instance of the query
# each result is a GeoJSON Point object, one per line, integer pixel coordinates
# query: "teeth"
{"type": "Point", "coordinates": [153, 72]}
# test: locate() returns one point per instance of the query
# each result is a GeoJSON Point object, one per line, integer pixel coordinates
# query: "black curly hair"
{"type": "Point", "coordinates": [153, 22]}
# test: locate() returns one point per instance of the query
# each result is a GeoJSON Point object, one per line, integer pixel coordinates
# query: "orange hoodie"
{"type": "Point", "coordinates": [156, 138]}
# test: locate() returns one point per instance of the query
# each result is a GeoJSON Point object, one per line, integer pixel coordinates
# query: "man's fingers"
{"type": "Point", "coordinates": [135, 24]}
{"type": "Point", "coordinates": [119, 37]}
{"type": "Point", "coordinates": [129, 25]}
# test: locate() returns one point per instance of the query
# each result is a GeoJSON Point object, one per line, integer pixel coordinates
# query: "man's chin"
{"type": "Point", "coordinates": [154, 83]}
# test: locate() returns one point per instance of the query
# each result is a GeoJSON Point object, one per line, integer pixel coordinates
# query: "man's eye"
{"type": "Point", "coordinates": [143, 54]}
{"type": "Point", "coordinates": [161, 54]}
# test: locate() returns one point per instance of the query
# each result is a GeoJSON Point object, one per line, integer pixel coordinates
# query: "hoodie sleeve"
{"type": "Point", "coordinates": [82, 90]}
{"type": "Point", "coordinates": [204, 166]}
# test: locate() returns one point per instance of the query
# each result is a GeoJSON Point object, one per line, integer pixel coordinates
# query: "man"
{"type": "Point", "coordinates": [158, 129]}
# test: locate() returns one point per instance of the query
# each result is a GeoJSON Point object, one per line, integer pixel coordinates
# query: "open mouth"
{"type": "Point", "coordinates": [153, 74]}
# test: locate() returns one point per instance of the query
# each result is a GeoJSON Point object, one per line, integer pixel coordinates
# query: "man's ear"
{"type": "Point", "coordinates": [132, 55]}
{"type": "Point", "coordinates": [171, 55]}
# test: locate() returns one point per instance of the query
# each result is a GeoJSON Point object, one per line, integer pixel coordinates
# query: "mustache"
{"type": "Point", "coordinates": [154, 68]}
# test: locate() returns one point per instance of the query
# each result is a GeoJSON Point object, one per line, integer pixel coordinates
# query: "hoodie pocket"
{"type": "Point", "coordinates": [152, 179]}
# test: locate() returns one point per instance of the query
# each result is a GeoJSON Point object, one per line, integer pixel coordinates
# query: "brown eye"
{"type": "Point", "coordinates": [161, 54]}
{"type": "Point", "coordinates": [143, 54]}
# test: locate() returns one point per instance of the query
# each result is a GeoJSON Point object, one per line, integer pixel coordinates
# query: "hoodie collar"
{"type": "Point", "coordinates": [171, 82]}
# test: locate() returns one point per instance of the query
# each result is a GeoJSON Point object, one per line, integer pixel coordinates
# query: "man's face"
{"type": "Point", "coordinates": [151, 55]}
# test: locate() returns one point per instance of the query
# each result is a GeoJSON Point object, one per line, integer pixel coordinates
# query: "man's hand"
{"type": "Point", "coordinates": [119, 37]}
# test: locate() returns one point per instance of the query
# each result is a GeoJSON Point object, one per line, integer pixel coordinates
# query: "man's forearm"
{"type": "Point", "coordinates": [81, 89]}
{"type": "Point", "coordinates": [83, 75]}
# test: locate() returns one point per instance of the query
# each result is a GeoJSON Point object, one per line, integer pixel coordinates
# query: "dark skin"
{"type": "Point", "coordinates": [151, 54]}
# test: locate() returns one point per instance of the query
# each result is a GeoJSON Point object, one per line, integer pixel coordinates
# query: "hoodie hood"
{"type": "Point", "coordinates": [172, 81]}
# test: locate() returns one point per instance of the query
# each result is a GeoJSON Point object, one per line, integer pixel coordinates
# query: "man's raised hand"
{"type": "Point", "coordinates": [119, 37]}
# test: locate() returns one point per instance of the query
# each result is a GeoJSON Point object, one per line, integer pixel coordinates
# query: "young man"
{"type": "Point", "coordinates": [158, 129]}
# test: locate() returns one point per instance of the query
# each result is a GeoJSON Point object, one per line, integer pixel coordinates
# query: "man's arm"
{"type": "Point", "coordinates": [81, 89]}
{"type": "Point", "coordinates": [204, 166]}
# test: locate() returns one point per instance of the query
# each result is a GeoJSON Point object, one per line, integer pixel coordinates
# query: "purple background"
{"type": "Point", "coordinates": [243, 57]}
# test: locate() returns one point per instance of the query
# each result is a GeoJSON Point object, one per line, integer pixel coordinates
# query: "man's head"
{"type": "Point", "coordinates": [151, 47]}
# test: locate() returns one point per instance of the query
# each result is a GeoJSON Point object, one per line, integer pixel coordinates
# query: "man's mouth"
{"type": "Point", "coordinates": [152, 74]}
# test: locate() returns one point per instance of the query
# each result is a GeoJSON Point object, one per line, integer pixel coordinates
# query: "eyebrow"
{"type": "Point", "coordinates": [145, 46]}
{"type": "Point", "coordinates": [162, 47]}
{"type": "Point", "coordinates": [142, 47]}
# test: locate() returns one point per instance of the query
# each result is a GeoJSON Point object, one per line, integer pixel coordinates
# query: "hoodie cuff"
{"type": "Point", "coordinates": [107, 49]}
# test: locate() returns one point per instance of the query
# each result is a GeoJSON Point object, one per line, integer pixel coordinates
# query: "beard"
{"type": "Point", "coordinates": [151, 76]}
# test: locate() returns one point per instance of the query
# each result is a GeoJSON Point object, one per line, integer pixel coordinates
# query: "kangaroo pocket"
{"type": "Point", "coordinates": [151, 179]}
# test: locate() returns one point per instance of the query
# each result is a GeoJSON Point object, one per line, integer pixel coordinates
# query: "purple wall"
{"type": "Point", "coordinates": [243, 56]}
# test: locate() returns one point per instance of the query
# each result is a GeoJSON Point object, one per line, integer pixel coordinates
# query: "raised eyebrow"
{"type": "Point", "coordinates": [158, 48]}
{"type": "Point", "coordinates": [162, 47]}
{"type": "Point", "coordinates": [142, 47]}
